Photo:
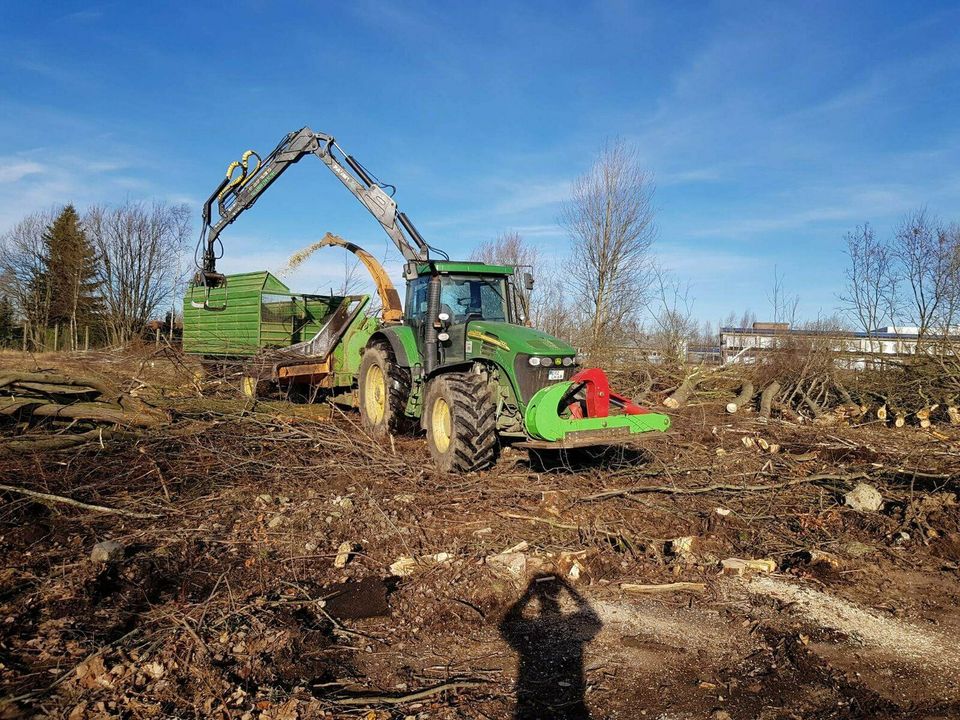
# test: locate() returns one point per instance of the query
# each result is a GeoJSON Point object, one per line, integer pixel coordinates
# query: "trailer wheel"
{"type": "Point", "coordinates": [460, 419]}
{"type": "Point", "coordinates": [384, 389]}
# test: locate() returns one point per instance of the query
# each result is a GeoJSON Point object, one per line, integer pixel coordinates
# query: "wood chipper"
{"type": "Point", "coordinates": [459, 360]}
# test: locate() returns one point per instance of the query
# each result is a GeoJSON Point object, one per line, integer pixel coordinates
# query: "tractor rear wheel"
{"type": "Point", "coordinates": [384, 389]}
{"type": "Point", "coordinates": [459, 416]}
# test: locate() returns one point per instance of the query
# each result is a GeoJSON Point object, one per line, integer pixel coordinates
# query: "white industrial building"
{"type": "Point", "coordinates": [854, 349]}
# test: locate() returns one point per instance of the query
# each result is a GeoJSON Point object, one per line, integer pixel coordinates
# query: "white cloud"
{"type": "Point", "coordinates": [12, 170]}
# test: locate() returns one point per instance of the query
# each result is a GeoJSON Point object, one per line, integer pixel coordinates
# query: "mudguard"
{"type": "Point", "coordinates": [402, 341]}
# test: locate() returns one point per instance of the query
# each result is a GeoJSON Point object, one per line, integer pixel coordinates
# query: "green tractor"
{"type": "Point", "coordinates": [460, 359]}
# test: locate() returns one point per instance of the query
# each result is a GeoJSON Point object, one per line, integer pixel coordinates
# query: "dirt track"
{"type": "Point", "coordinates": [228, 604]}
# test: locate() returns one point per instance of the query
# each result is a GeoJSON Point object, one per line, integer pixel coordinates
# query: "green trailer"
{"type": "Point", "coordinates": [254, 320]}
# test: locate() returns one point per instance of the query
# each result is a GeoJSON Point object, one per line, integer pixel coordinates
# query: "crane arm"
{"type": "Point", "coordinates": [243, 185]}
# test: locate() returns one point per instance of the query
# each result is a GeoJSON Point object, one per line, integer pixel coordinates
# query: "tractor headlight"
{"type": "Point", "coordinates": [567, 361]}
{"type": "Point", "coordinates": [443, 337]}
{"type": "Point", "coordinates": [578, 360]}
{"type": "Point", "coordinates": [535, 361]}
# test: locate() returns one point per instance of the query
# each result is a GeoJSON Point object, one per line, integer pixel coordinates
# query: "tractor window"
{"type": "Point", "coordinates": [469, 297]}
{"type": "Point", "coordinates": [416, 305]}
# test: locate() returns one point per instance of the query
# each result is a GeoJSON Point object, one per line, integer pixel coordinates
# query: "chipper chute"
{"type": "Point", "coordinates": [584, 409]}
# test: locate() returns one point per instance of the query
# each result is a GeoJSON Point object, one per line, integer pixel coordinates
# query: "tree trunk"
{"type": "Point", "coordinates": [743, 399]}
{"type": "Point", "coordinates": [766, 398]}
{"type": "Point", "coordinates": [681, 394]}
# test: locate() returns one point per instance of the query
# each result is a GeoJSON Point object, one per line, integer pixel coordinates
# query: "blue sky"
{"type": "Point", "coordinates": [771, 128]}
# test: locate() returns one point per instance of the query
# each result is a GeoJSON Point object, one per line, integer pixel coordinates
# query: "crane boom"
{"type": "Point", "coordinates": [240, 190]}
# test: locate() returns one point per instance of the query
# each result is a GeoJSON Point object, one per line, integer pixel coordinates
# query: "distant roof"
{"type": "Point", "coordinates": [903, 333]}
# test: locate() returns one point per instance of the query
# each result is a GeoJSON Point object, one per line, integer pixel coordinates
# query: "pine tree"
{"type": "Point", "coordinates": [7, 322]}
{"type": "Point", "coordinates": [70, 273]}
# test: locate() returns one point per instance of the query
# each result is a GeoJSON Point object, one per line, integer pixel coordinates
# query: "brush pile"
{"type": "Point", "coordinates": [807, 383]}
{"type": "Point", "coordinates": [52, 411]}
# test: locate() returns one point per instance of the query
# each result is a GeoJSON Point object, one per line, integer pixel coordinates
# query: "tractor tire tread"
{"type": "Point", "coordinates": [475, 444]}
{"type": "Point", "coordinates": [398, 391]}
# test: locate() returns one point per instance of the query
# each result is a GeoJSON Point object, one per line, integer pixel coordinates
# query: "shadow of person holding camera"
{"type": "Point", "coordinates": [550, 645]}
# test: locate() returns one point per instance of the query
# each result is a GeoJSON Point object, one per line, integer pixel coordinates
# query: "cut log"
{"type": "Point", "coordinates": [766, 398]}
{"type": "Point", "coordinates": [953, 414]}
{"type": "Point", "coordinates": [923, 415]}
{"type": "Point", "coordinates": [881, 413]}
{"type": "Point", "coordinates": [743, 399]}
{"type": "Point", "coordinates": [848, 411]}
{"type": "Point", "coordinates": [54, 379]}
{"type": "Point", "coordinates": [96, 412]}
{"type": "Point", "coordinates": [899, 417]}
{"type": "Point", "coordinates": [681, 394]}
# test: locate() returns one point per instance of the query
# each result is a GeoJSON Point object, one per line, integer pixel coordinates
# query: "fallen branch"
{"type": "Point", "coordinates": [720, 487]}
{"type": "Point", "coordinates": [411, 697]}
{"type": "Point", "coordinates": [46, 497]}
{"type": "Point", "coordinates": [33, 443]}
{"type": "Point", "coordinates": [664, 588]}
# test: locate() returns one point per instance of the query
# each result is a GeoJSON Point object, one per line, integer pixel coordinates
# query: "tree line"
{"type": "Point", "coordinates": [69, 279]}
{"type": "Point", "coordinates": [912, 274]}
{"type": "Point", "coordinates": [612, 292]}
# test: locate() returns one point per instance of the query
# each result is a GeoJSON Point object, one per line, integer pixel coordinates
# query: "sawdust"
{"type": "Point", "coordinates": [666, 625]}
{"type": "Point", "coordinates": [298, 258]}
{"type": "Point", "coordinates": [909, 643]}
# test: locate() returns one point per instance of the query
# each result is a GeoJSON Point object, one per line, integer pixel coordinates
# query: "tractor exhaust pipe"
{"type": "Point", "coordinates": [431, 343]}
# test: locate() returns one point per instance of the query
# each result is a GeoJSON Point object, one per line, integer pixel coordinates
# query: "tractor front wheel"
{"type": "Point", "coordinates": [384, 389]}
{"type": "Point", "coordinates": [459, 416]}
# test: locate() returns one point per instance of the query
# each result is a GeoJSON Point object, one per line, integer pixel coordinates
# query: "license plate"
{"type": "Point", "coordinates": [555, 375]}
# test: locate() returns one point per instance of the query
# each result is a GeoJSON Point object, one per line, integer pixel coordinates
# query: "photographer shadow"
{"type": "Point", "coordinates": [550, 644]}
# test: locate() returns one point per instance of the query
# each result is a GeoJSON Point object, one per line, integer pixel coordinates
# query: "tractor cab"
{"type": "Point", "coordinates": [463, 293]}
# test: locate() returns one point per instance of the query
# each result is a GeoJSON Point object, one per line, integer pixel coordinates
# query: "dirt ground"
{"type": "Point", "coordinates": [490, 595]}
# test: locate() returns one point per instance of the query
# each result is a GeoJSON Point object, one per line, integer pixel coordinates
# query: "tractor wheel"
{"type": "Point", "coordinates": [384, 389]}
{"type": "Point", "coordinates": [459, 416]}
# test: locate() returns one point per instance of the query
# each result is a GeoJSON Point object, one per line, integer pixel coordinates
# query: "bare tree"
{"type": "Point", "coordinates": [22, 274]}
{"type": "Point", "coordinates": [950, 313]}
{"type": "Point", "coordinates": [783, 304]}
{"type": "Point", "coordinates": [550, 309]}
{"type": "Point", "coordinates": [926, 257]}
{"type": "Point", "coordinates": [745, 320]}
{"type": "Point", "coordinates": [609, 219]}
{"type": "Point", "coordinates": [508, 248]}
{"type": "Point", "coordinates": [140, 248]}
{"type": "Point", "coordinates": [871, 281]}
{"type": "Point", "coordinates": [353, 279]}
{"type": "Point", "coordinates": [671, 312]}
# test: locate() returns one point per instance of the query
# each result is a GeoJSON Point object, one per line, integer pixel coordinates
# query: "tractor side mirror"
{"type": "Point", "coordinates": [528, 281]}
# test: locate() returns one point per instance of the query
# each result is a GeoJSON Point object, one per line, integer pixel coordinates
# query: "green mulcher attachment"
{"type": "Point", "coordinates": [578, 412]}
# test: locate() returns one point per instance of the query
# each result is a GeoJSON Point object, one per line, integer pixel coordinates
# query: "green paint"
{"type": "Point", "coordinates": [544, 423]}
{"type": "Point", "coordinates": [404, 343]}
{"type": "Point", "coordinates": [258, 312]}
{"type": "Point", "coordinates": [522, 339]}
{"type": "Point", "coordinates": [470, 268]}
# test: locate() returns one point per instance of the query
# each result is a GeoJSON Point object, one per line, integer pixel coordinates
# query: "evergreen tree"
{"type": "Point", "coordinates": [70, 273]}
{"type": "Point", "coordinates": [8, 324]}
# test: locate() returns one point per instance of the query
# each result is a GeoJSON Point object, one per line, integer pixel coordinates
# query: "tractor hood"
{"type": "Point", "coordinates": [517, 338]}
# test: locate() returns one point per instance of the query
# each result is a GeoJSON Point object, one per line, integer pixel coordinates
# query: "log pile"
{"type": "Point", "coordinates": [807, 385]}
{"type": "Point", "coordinates": [53, 411]}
